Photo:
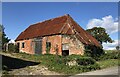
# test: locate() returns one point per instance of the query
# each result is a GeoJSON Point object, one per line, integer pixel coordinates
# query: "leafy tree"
{"type": "Point", "coordinates": [0, 38]}
{"type": "Point", "coordinates": [117, 47]}
{"type": "Point", "coordinates": [4, 39]}
{"type": "Point", "coordinates": [100, 34]}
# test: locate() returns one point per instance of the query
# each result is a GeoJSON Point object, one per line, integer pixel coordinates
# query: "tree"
{"type": "Point", "coordinates": [117, 47]}
{"type": "Point", "coordinates": [0, 38]}
{"type": "Point", "coordinates": [4, 39]}
{"type": "Point", "coordinates": [100, 34]}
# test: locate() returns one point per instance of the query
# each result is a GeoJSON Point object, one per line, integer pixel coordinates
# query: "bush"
{"type": "Point", "coordinates": [81, 60]}
{"type": "Point", "coordinates": [94, 52]}
{"type": "Point", "coordinates": [104, 56]}
{"type": "Point", "coordinates": [85, 61]}
{"type": "Point", "coordinates": [13, 48]}
{"type": "Point", "coordinates": [58, 63]}
{"type": "Point", "coordinates": [88, 53]}
{"type": "Point", "coordinates": [112, 55]}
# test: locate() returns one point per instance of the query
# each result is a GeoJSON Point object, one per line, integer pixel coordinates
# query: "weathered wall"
{"type": "Point", "coordinates": [75, 46]}
{"type": "Point", "coordinates": [55, 43]}
{"type": "Point", "coordinates": [28, 46]}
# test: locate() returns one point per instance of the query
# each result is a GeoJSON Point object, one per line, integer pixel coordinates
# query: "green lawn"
{"type": "Point", "coordinates": [110, 54]}
{"type": "Point", "coordinates": [108, 63]}
{"type": "Point", "coordinates": [110, 51]}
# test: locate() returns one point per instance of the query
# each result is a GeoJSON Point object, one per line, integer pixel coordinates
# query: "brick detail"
{"type": "Point", "coordinates": [28, 46]}
{"type": "Point", "coordinates": [75, 46]}
{"type": "Point", "coordinates": [55, 43]}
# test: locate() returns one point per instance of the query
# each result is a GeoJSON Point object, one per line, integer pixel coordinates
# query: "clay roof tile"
{"type": "Point", "coordinates": [60, 25]}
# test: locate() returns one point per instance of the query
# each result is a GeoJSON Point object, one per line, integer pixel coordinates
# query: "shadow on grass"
{"type": "Point", "coordinates": [14, 63]}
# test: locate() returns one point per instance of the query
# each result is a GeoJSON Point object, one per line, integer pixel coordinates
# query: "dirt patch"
{"type": "Point", "coordinates": [33, 70]}
{"type": "Point", "coordinates": [25, 68]}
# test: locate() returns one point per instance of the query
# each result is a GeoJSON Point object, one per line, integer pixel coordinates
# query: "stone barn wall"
{"type": "Point", "coordinates": [74, 45]}
{"type": "Point", "coordinates": [57, 42]}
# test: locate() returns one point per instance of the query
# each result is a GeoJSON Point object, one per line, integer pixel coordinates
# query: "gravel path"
{"type": "Point", "coordinates": [112, 72]}
{"type": "Point", "coordinates": [107, 71]}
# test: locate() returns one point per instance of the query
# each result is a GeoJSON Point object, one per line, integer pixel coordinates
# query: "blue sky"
{"type": "Point", "coordinates": [16, 17]}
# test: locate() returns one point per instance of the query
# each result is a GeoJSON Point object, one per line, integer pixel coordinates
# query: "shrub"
{"type": "Point", "coordinates": [112, 55]}
{"type": "Point", "coordinates": [85, 61]}
{"type": "Point", "coordinates": [81, 60]}
{"type": "Point", "coordinates": [58, 63]}
{"type": "Point", "coordinates": [13, 48]}
{"type": "Point", "coordinates": [88, 53]}
{"type": "Point", "coordinates": [94, 52]}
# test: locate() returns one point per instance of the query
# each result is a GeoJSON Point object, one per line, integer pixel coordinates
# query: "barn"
{"type": "Point", "coordinates": [60, 35]}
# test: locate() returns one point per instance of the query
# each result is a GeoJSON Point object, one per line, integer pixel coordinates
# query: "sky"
{"type": "Point", "coordinates": [17, 16]}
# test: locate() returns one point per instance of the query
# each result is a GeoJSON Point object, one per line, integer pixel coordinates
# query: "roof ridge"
{"type": "Point", "coordinates": [50, 19]}
{"type": "Point", "coordinates": [65, 23]}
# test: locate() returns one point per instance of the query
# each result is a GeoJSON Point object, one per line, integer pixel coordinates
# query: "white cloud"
{"type": "Point", "coordinates": [111, 46]}
{"type": "Point", "coordinates": [107, 22]}
{"type": "Point", "coordinates": [11, 41]}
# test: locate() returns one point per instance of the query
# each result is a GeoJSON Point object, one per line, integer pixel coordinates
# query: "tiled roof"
{"type": "Point", "coordinates": [60, 25]}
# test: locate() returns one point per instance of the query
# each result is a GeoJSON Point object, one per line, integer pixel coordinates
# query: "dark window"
{"type": "Point", "coordinates": [65, 52]}
{"type": "Point", "coordinates": [18, 45]}
{"type": "Point", "coordinates": [23, 45]}
{"type": "Point", "coordinates": [48, 46]}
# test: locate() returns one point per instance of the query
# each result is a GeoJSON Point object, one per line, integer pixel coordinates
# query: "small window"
{"type": "Point", "coordinates": [18, 45]}
{"type": "Point", "coordinates": [48, 46]}
{"type": "Point", "coordinates": [23, 45]}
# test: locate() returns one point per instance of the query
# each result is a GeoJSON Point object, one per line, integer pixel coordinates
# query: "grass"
{"type": "Point", "coordinates": [108, 59]}
{"type": "Point", "coordinates": [108, 63]}
{"type": "Point", "coordinates": [110, 51]}
{"type": "Point", "coordinates": [54, 64]}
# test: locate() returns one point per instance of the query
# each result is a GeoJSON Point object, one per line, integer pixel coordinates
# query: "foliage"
{"type": "Point", "coordinates": [117, 47]}
{"type": "Point", "coordinates": [81, 60]}
{"type": "Point", "coordinates": [94, 52]}
{"type": "Point", "coordinates": [5, 39]}
{"type": "Point", "coordinates": [13, 48]}
{"type": "Point", "coordinates": [100, 34]}
{"type": "Point", "coordinates": [110, 51]}
{"type": "Point", "coordinates": [85, 61]}
{"type": "Point", "coordinates": [58, 63]}
{"type": "Point", "coordinates": [108, 63]}
{"type": "Point", "coordinates": [112, 55]}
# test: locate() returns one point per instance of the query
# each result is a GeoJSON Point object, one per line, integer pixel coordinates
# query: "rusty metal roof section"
{"type": "Point", "coordinates": [60, 25]}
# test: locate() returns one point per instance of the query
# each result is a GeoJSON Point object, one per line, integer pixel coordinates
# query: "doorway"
{"type": "Point", "coordinates": [38, 46]}
{"type": "Point", "coordinates": [65, 52]}
{"type": "Point", "coordinates": [65, 49]}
